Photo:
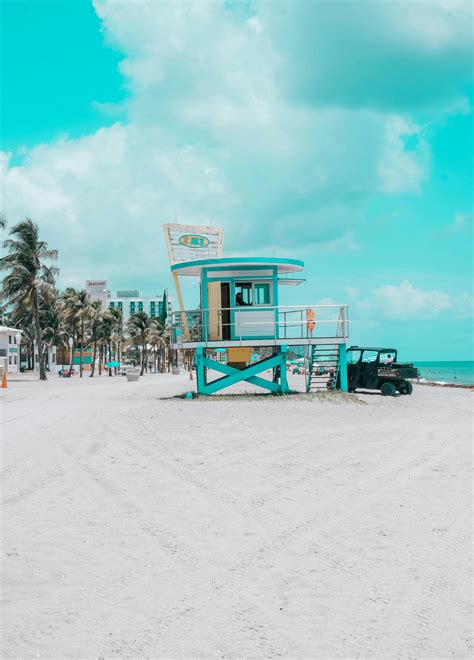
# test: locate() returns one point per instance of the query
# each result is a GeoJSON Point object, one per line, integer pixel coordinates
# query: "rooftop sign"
{"type": "Point", "coordinates": [187, 242]}
{"type": "Point", "coordinates": [194, 241]}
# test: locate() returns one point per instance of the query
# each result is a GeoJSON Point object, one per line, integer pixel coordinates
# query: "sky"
{"type": "Point", "coordinates": [337, 132]}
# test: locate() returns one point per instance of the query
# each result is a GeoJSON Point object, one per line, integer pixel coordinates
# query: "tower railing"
{"type": "Point", "coordinates": [292, 322]}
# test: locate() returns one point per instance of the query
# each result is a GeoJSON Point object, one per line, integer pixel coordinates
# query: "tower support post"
{"type": "Point", "coordinates": [343, 367]}
{"type": "Point", "coordinates": [200, 370]}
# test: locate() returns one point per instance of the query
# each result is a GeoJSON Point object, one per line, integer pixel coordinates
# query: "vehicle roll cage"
{"type": "Point", "coordinates": [379, 351]}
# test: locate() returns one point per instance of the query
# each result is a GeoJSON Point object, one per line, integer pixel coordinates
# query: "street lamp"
{"type": "Point", "coordinates": [70, 342]}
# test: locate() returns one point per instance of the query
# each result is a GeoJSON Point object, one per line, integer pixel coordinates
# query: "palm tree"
{"type": "Point", "coordinates": [96, 319]}
{"type": "Point", "coordinates": [100, 324]}
{"type": "Point", "coordinates": [105, 333]}
{"type": "Point", "coordinates": [68, 309]}
{"type": "Point", "coordinates": [27, 275]}
{"type": "Point", "coordinates": [158, 336]}
{"type": "Point", "coordinates": [138, 326]}
{"type": "Point", "coordinates": [53, 331]}
{"type": "Point", "coordinates": [83, 311]}
{"type": "Point", "coordinates": [117, 333]}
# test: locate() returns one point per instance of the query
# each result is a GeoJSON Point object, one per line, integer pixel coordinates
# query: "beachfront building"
{"type": "Point", "coordinates": [10, 339]}
{"type": "Point", "coordinates": [129, 301]}
{"type": "Point", "coordinates": [63, 358]}
{"type": "Point", "coordinates": [98, 291]}
{"type": "Point", "coordinates": [240, 311]}
{"type": "Point", "coordinates": [30, 357]}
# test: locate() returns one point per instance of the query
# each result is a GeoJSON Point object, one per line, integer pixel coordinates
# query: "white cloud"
{"type": "Point", "coordinates": [401, 170]}
{"type": "Point", "coordinates": [213, 133]}
{"type": "Point", "coordinates": [462, 222]}
{"type": "Point", "coordinates": [393, 54]}
{"type": "Point", "coordinates": [404, 302]}
{"type": "Point", "coordinates": [255, 24]}
{"type": "Point", "coordinates": [352, 292]}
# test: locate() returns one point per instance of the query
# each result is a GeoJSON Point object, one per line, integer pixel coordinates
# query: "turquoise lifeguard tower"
{"type": "Point", "coordinates": [240, 312]}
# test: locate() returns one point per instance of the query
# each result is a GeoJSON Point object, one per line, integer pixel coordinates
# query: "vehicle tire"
{"type": "Point", "coordinates": [408, 388]}
{"type": "Point", "coordinates": [388, 389]}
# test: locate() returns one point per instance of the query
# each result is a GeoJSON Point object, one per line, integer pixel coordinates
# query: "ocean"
{"type": "Point", "coordinates": [459, 373]}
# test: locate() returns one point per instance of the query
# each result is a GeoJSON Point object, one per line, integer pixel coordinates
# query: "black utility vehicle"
{"type": "Point", "coordinates": [378, 369]}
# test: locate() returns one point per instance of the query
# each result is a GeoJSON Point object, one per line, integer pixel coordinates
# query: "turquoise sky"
{"type": "Point", "coordinates": [336, 132]}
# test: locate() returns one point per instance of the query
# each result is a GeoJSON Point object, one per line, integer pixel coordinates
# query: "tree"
{"type": "Point", "coordinates": [76, 312]}
{"type": "Point", "coordinates": [83, 307]}
{"type": "Point", "coordinates": [53, 331]}
{"type": "Point", "coordinates": [68, 311]}
{"type": "Point", "coordinates": [27, 275]}
{"type": "Point", "coordinates": [105, 333]}
{"type": "Point", "coordinates": [164, 308]}
{"type": "Point", "coordinates": [138, 326]}
{"type": "Point", "coordinates": [158, 336]}
{"type": "Point", "coordinates": [97, 316]}
{"type": "Point", "coordinates": [117, 333]}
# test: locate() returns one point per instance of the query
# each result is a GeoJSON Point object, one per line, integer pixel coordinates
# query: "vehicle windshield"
{"type": "Point", "coordinates": [370, 356]}
{"type": "Point", "coordinates": [353, 357]}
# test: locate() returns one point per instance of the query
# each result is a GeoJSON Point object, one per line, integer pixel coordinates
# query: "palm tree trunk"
{"type": "Point", "coordinates": [110, 359]}
{"type": "Point", "coordinates": [73, 350]}
{"type": "Point", "coordinates": [100, 359]}
{"type": "Point", "coordinates": [39, 343]}
{"type": "Point", "coordinates": [143, 360]}
{"type": "Point", "coordinates": [94, 355]}
{"type": "Point", "coordinates": [82, 345]}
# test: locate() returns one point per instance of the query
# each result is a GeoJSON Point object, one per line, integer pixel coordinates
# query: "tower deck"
{"type": "Point", "coordinates": [259, 326]}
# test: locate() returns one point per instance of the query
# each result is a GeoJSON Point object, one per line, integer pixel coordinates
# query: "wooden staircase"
{"type": "Point", "coordinates": [322, 364]}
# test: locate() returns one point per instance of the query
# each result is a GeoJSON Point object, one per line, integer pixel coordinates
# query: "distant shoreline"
{"type": "Point", "coordinates": [434, 383]}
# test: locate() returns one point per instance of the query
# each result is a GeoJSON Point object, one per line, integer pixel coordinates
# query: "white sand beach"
{"type": "Point", "coordinates": [136, 526]}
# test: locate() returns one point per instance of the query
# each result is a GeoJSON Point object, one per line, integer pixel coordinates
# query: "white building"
{"type": "Point", "coordinates": [130, 302]}
{"type": "Point", "coordinates": [97, 290]}
{"type": "Point", "coordinates": [9, 349]}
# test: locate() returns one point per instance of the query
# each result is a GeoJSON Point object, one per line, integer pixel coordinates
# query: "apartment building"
{"type": "Point", "coordinates": [129, 301]}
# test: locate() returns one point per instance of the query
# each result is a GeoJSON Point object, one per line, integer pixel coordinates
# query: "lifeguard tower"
{"type": "Point", "coordinates": [240, 312]}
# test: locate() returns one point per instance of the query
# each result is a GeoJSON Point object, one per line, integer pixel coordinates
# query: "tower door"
{"type": "Point", "coordinates": [226, 316]}
{"type": "Point", "coordinates": [214, 313]}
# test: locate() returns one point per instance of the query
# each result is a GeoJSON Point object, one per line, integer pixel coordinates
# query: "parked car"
{"type": "Point", "coordinates": [379, 369]}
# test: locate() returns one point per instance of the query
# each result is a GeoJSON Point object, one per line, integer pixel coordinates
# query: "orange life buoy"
{"type": "Point", "coordinates": [310, 319]}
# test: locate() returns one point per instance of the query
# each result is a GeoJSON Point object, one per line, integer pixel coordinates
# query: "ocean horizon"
{"type": "Point", "coordinates": [457, 372]}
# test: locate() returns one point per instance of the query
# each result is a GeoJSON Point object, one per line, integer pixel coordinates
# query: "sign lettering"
{"type": "Point", "coordinates": [194, 241]}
